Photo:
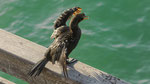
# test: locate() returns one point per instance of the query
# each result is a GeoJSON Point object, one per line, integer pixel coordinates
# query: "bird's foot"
{"type": "Point", "coordinates": [71, 61]}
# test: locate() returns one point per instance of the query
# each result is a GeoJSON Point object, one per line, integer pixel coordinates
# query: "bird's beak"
{"type": "Point", "coordinates": [77, 11]}
{"type": "Point", "coordinates": [85, 18]}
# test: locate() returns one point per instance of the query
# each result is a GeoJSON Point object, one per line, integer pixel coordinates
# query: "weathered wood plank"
{"type": "Point", "coordinates": [17, 56]}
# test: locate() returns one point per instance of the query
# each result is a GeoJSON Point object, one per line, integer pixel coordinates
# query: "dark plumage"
{"type": "Point", "coordinates": [66, 39]}
{"type": "Point", "coordinates": [67, 14]}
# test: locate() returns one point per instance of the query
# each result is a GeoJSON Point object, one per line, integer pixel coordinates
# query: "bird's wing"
{"type": "Point", "coordinates": [59, 31]}
{"type": "Point", "coordinates": [62, 61]}
{"type": "Point", "coordinates": [63, 18]}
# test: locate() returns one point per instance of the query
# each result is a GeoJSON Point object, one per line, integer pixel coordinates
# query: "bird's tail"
{"type": "Point", "coordinates": [38, 67]}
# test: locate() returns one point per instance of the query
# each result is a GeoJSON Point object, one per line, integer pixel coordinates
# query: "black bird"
{"type": "Point", "coordinates": [67, 39]}
{"type": "Point", "coordinates": [61, 21]}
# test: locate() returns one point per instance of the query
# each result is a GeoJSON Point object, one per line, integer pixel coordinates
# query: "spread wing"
{"type": "Point", "coordinates": [63, 18]}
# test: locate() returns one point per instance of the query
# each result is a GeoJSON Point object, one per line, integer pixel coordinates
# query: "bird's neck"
{"type": "Point", "coordinates": [73, 24]}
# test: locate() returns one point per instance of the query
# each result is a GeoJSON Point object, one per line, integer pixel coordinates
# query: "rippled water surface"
{"type": "Point", "coordinates": [115, 38]}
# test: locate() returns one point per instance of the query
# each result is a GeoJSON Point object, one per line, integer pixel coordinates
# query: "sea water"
{"type": "Point", "coordinates": [115, 38]}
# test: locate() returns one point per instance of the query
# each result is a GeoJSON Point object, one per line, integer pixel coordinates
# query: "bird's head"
{"type": "Point", "coordinates": [80, 17]}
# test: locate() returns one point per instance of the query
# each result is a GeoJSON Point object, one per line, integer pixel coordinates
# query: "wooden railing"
{"type": "Point", "coordinates": [18, 55]}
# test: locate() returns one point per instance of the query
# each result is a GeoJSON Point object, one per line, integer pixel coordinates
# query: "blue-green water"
{"type": "Point", "coordinates": [115, 39]}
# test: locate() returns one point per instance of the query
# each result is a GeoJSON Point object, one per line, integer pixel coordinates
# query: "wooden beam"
{"type": "Point", "coordinates": [18, 55]}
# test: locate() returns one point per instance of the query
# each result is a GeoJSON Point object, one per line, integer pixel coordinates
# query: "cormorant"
{"type": "Point", "coordinates": [66, 39]}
